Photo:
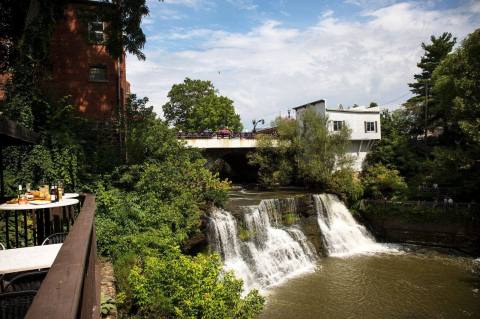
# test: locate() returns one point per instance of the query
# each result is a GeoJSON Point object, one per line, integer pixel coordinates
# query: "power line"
{"type": "Point", "coordinates": [396, 99]}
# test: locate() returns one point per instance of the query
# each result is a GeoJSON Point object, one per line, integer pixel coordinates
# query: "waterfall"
{"type": "Point", "coordinates": [270, 253]}
{"type": "Point", "coordinates": [341, 234]}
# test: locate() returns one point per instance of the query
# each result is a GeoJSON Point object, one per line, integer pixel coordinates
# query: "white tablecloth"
{"type": "Point", "coordinates": [28, 258]}
{"type": "Point", "coordinates": [62, 203]}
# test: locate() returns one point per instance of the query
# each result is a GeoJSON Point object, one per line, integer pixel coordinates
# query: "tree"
{"type": "Point", "coordinates": [435, 52]}
{"type": "Point", "coordinates": [274, 155]}
{"type": "Point", "coordinates": [27, 27]}
{"type": "Point", "coordinates": [319, 152]}
{"type": "Point", "coordinates": [213, 112]}
{"type": "Point", "coordinates": [304, 152]}
{"type": "Point", "coordinates": [195, 106]}
{"type": "Point", "coordinates": [456, 83]}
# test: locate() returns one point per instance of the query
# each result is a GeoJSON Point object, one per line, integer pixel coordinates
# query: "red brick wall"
{"type": "Point", "coordinates": [3, 81]}
{"type": "Point", "coordinates": [71, 55]}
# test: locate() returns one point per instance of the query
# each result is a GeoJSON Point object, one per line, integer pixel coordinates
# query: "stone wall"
{"type": "Point", "coordinates": [460, 235]}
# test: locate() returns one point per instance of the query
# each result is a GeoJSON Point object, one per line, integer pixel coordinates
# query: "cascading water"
{"type": "Point", "coordinates": [342, 235]}
{"type": "Point", "coordinates": [271, 254]}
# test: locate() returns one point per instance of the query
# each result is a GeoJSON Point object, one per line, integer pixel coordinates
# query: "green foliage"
{"type": "Point", "coordinates": [195, 106]}
{"type": "Point", "coordinates": [456, 82]}
{"type": "Point", "coordinates": [190, 287]}
{"type": "Point", "coordinates": [306, 153]}
{"type": "Point", "coordinates": [212, 113]}
{"type": "Point", "coordinates": [381, 182]}
{"type": "Point", "coordinates": [449, 156]}
{"type": "Point", "coordinates": [320, 153]}
{"type": "Point", "coordinates": [289, 218]}
{"type": "Point", "coordinates": [346, 185]}
{"type": "Point", "coordinates": [435, 52]}
{"type": "Point", "coordinates": [107, 305]}
{"type": "Point", "coordinates": [146, 212]}
{"type": "Point", "coordinates": [39, 164]}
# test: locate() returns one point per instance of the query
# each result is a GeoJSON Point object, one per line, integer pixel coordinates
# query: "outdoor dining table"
{"type": "Point", "coordinates": [28, 258]}
{"type": "Point", "coordinates": [41, 213]}
{"type": "Point", "coordinates": [71, 195]}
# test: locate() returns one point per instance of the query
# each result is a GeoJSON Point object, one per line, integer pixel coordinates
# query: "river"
{"type": "Point", "coordinates": [405, 282]}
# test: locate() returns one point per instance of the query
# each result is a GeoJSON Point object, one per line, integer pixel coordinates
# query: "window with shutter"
{"type": "Point", "coordinates": [370, 127]}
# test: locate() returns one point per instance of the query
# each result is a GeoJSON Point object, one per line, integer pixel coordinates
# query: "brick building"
{"type": "Point", "coordinates": [80, 66]}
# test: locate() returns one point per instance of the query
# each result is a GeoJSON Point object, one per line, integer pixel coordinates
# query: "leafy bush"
{"type": "Point", "coordinates": [190, 287]}
{"type": "Point", "coordinates": [381, 182]}
{"type": "Point", "coordinates": [289, 218]}
{"type": "Point", "coordinates": [346, 185]}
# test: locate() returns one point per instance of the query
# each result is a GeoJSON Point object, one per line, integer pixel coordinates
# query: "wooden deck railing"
{"type": "Point", "coordinates": [71, 288]}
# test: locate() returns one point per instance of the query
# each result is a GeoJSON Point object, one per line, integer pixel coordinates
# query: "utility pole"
{"type": "Point", "coordinates": [426, 109]}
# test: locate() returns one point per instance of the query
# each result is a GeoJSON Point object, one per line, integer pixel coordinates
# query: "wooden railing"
{"type": "Point", "coordinates": [71, 288]}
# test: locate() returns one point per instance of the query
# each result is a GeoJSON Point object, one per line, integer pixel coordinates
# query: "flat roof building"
{"type": "Point", "coordinates": [363, 122]}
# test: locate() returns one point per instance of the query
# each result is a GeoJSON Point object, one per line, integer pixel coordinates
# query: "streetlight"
{"type": "Point", "coordinates": [255, 122]}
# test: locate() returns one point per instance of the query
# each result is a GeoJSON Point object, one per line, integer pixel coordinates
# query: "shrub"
{"type": "Point", "coordinates": [381, 182]}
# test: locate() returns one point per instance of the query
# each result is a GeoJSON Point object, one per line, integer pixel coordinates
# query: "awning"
{"type": "Point", "coordinates": [13, 134]}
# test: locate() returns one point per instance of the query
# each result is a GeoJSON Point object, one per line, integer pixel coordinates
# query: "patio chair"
{"type": "Point", "coordinates": [31, 280]}
{"type": "Point", "coordinates": [2, 246]}
{"type": "Point", "coordinates": [14, 305]}
{"type": "Point", "coordinates": [57, 238]}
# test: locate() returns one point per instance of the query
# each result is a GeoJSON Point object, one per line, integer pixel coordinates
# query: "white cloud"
{"type": "Point", "coordinates": [273, 67]}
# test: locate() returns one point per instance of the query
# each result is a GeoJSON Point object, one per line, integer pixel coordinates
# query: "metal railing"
{"type": "Point", "coordinates": [21, 228]}
{"type": "Point", "coordinates": [71, 288]}
{"type": "Point", "coordinates": [209, 135]}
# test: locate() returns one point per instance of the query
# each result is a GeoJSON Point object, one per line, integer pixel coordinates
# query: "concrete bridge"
{"type": "Point", "coordinates": [226, 153]}
{"type": "Point", "coordinates": [241, 141]}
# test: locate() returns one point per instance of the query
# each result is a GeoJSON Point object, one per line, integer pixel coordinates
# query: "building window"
{"type": "Point", "coordinates": [337, 125]}
{"type": "Point", "coordinates": [97, 73]}
{"type": "Point", "coordinates": [96, 32]}
{"type": "Point", "coordinates": [370, 127]}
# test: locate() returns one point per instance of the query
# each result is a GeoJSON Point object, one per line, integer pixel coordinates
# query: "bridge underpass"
{"type": "Point", "coordinates": [231, 163]}
{"type": "Point", "coordinates": [227, 156]}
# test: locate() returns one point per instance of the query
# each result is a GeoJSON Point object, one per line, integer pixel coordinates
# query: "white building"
{"type": "Point", "coordinates": [363, 122]}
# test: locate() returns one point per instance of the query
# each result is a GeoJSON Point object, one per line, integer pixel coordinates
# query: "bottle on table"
{"type": "Point", "coordinates": [19, 191]}
{"type": "Point", "coordinates": [60, 190]}
{"type": "Point", "coordinates": [22, 199]}
{"type": "Point", "coordinates": [53, 195]}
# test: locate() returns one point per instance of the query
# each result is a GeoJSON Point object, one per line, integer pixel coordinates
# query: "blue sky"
{"type": "Point", "coordinates": [269, 56]}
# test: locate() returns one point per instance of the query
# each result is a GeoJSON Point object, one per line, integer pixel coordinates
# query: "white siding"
{"type": "Point", "coordinates": [356, 122]}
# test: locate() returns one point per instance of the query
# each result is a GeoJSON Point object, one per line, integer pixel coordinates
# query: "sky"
{"type": "Point", "coordinates": [270, 56]}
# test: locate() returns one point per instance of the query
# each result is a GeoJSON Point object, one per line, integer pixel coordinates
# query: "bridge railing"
{"type": "Point", "coordinates": [210, 135]}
